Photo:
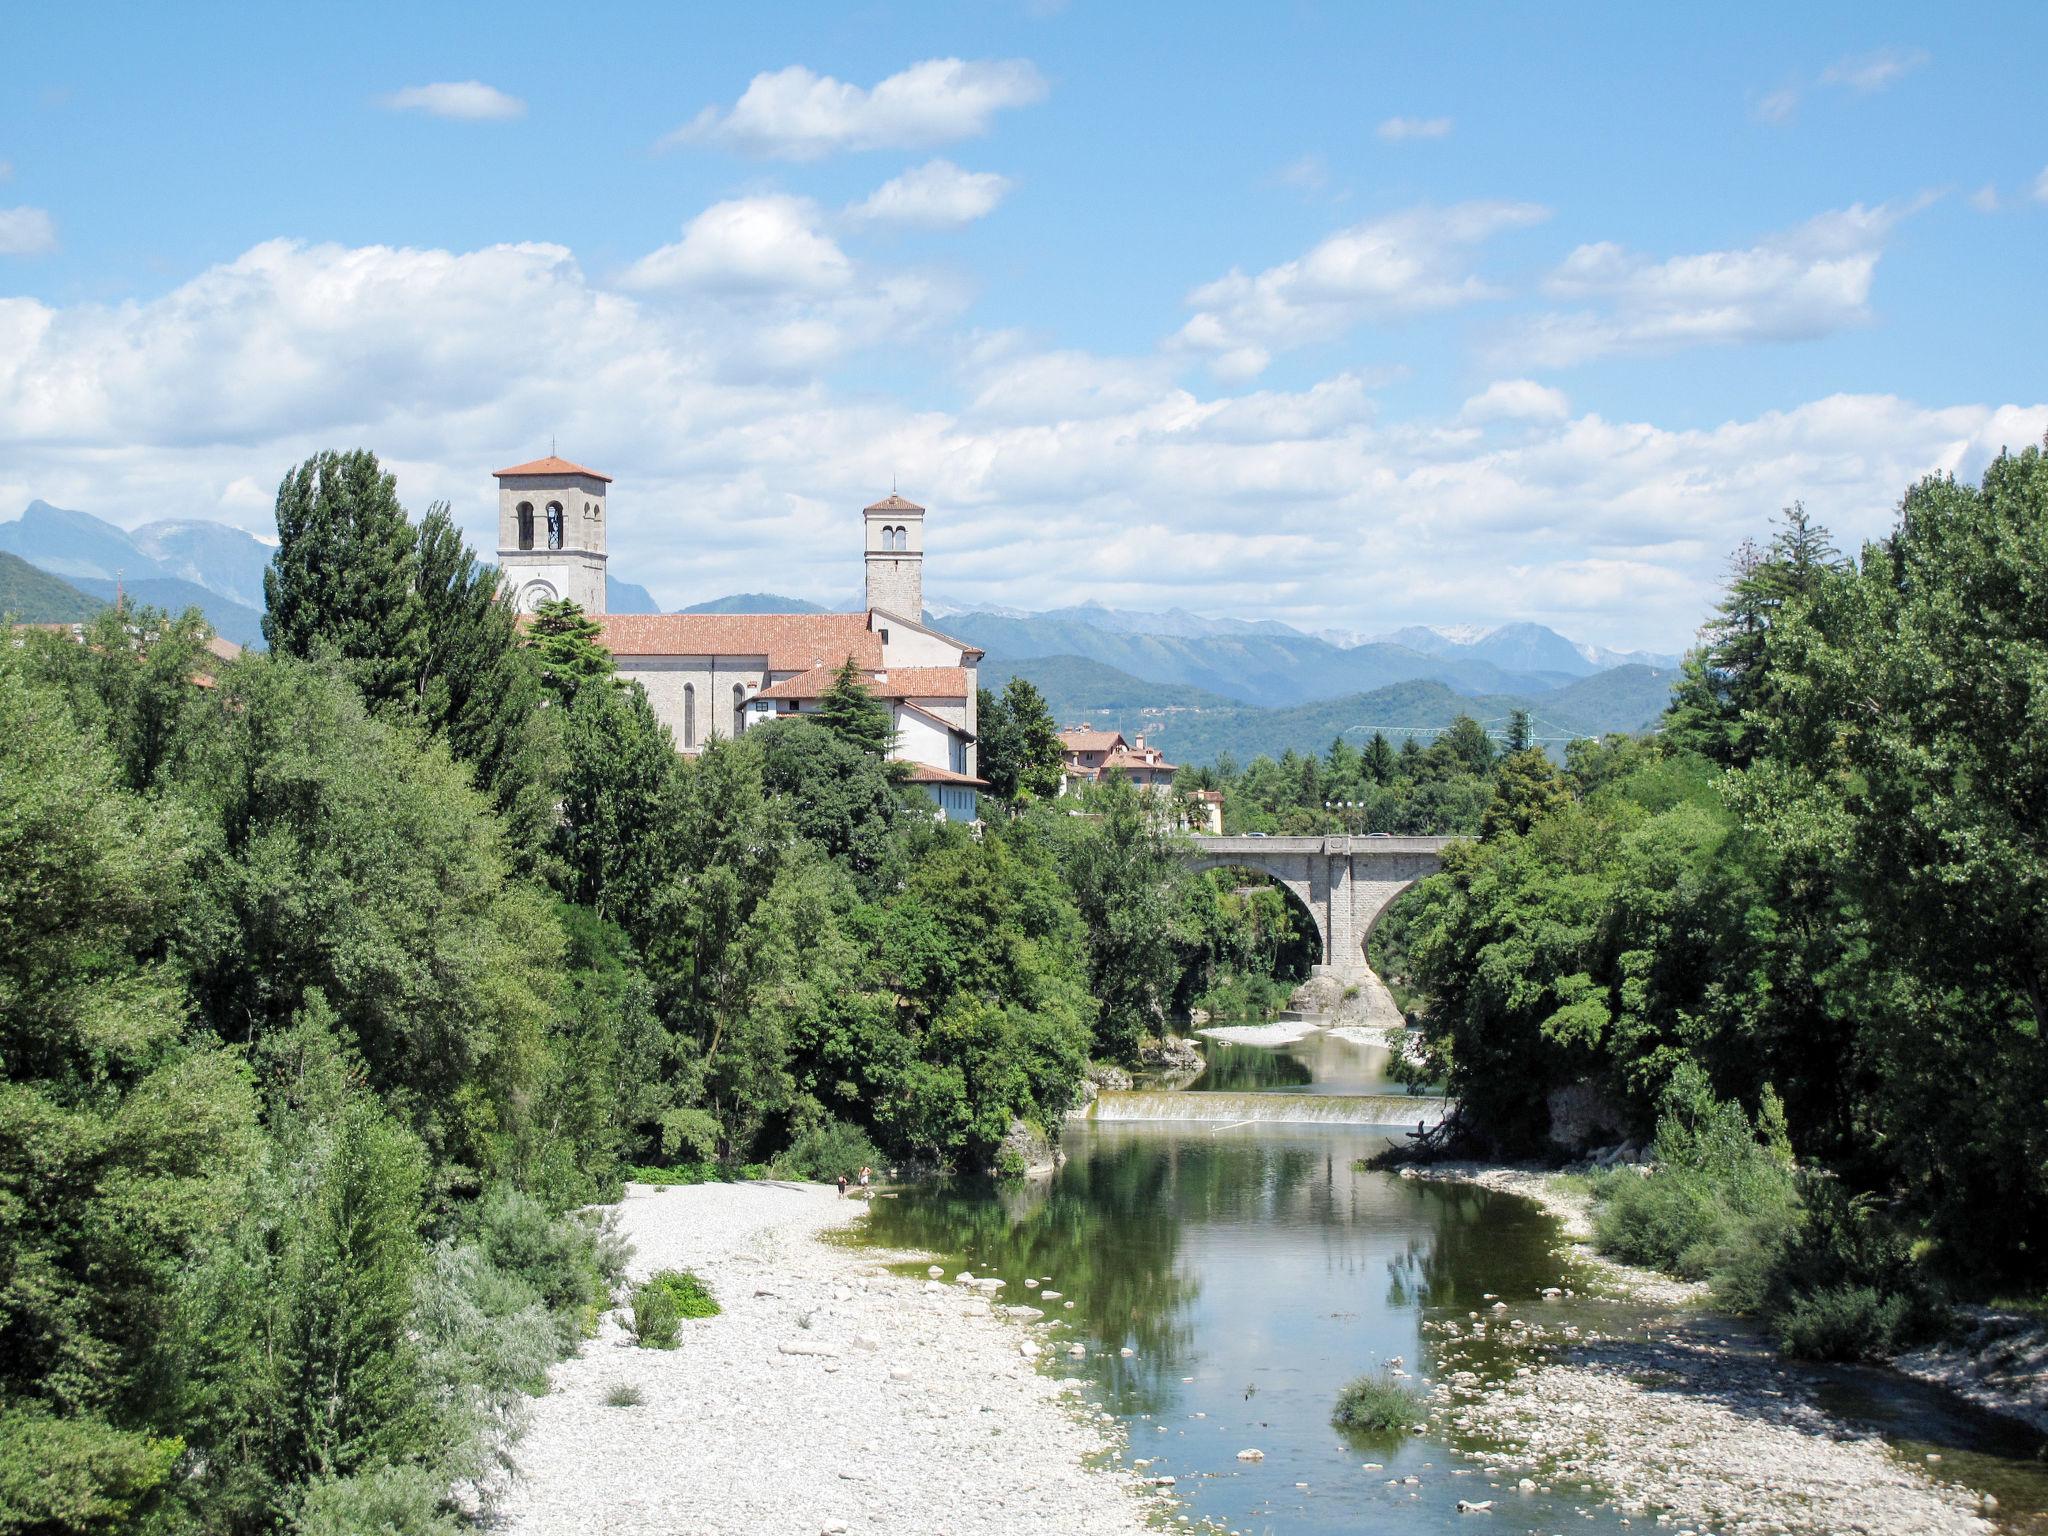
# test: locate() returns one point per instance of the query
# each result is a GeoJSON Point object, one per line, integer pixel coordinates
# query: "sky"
{"type": "Point", "coordinates": [1348, 315]}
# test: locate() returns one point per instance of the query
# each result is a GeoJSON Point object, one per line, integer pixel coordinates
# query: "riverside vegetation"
{"type": "Point", "coordinates": [335, 982]}
{"type": "Point", "coordinates": [1798, 939]}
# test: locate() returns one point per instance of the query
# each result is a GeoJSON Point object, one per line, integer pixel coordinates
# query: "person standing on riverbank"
{"type": "Point", "coordinates": [842, 1186]}
{"type": "Point", "coordinates": [865, 1171]}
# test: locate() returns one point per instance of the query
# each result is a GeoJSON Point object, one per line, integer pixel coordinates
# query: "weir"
{"type": "Point", "coordinates": [1344, 882]}
{"type": "Point", "coordinates": [1388, 1109]}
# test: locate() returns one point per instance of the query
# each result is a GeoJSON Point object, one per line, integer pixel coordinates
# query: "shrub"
{"type": "Point", "coordinates": [623, 1394]}
{"type": "Point", "coordinates": [1376, 1404]}
{"type": "Point", "coordinates": [1843, 1322]}
{"type": "Point", "coordinates": [571, 1261]}
{"type": "Point", "coordinates": [662, 1302]}
{"type": "Point", "coordinates": [388, 1500]}
{"type": "Point", "coordinates": [823, 1148]}
{"type": "Point", "coordinates": [1723, 1196]}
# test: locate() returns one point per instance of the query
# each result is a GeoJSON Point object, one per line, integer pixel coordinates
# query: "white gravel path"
{"type": "Point", "coordinates": [737, 1436]}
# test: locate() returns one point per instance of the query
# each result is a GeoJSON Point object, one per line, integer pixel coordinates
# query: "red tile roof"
{"type": "Point", "coordinates": [1078, 740]}
{"type": "Point", "coordinates": [892, 503]}
{"type": "Point", "coordinates": [925, 773]}
{"type": "Point", "coordinates": [1127, 760]}
{"type": "Point", "coordinates": [551, 466]}
{"type": "Point", "coordinates": [899, 683]}
{"type": "Point", "coordinates": [789, 642]}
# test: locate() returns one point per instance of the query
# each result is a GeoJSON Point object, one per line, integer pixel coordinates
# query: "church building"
{"type": "Point", "coordinates": [716, 674]}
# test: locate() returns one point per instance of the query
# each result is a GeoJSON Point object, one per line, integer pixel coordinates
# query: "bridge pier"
{"type": "Point", "coordinates": [1344, 882]}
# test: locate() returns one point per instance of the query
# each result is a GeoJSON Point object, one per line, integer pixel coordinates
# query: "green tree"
{"type": "Point", "coordinates": [1518, 732]}
{"type": "Point", "coordinates": [837, 795]}
{"type": "Point", "coordinates": [1020, 751]}
{"type": "Point", "coordinates": [1378, 762]}
{"type": "Point", "coordinates": [1526, 788]}
{"type": "Point", "coordinates": [342, 582]}
{"type": "Point", "coordinates": [851, 711]}
{"type": "Point", "coordinates": [565, 642]}
{"type": "Point", "coordinates": [1124, 876]}
{"type": "Point", "coordinates": [618, 788]}
{"type": "Point", "coordinates": [478, 686]}
{"type": "Point", "coordinates": [122, 1147]}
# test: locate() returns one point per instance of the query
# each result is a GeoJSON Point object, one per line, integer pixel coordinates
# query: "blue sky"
{"type": "Point", "coordinates": [1353, 316]}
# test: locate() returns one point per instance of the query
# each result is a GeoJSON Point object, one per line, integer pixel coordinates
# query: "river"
{"type": "Point", "coordinates": [1251, 1270]}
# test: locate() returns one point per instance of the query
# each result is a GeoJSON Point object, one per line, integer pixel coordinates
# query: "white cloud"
{"type": "Point", "coordinates": [935, 195]}
{"type": "Point", "coordinates": [1803, 283]}
{"type": "Point", "coordinates": [1395, 129]}
{"type": "Point", "coordinates": [1403, 264]}
{"type": "Point", "coordinates": [768, 243]}
{"type": "Point", "coordinates": [1778, 106]}
{"type": "Point", "coordinates": [26, 232]}
{"type": "Point", "coordinates": [469, 101]}
{"type": "Point", "coordinates": [1985, 198]}
{"type": "Point", "coordinates": [795, 114]}
{"type": "Point", "coordinates": [2041, 186]}
{"type": "Point", "coordinates": [1874, 71]}
{"type": "Point", "coordinates": [1516, 400]}
{"type": "Point", "coordinates": [739, 457]}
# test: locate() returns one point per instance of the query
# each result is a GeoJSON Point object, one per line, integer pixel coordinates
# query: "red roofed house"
{"type": "Point", "coordinates": [715, 674]}
{"type": "Point", "coordinates": [1091, 754]}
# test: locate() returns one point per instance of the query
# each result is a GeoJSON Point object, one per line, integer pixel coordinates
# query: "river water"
{"type": "Point", "coordinates": [1251, 1270]}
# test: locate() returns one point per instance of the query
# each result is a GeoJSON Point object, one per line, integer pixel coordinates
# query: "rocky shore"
{"type": "Point", "coordinates": [1675, 1414]}
{"type": "Point", "coordinates": [828, 1396]}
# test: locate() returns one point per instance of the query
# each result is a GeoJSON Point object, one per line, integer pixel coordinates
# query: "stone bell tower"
{"type": "Point", "coordinates": [551, 533]}
{"type": "Point", "coordinates": [895, 557]}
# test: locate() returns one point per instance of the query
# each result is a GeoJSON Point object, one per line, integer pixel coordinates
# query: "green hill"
{"type": "Point", "coordinates": [1194, 727]}
{"type": "Point", "coordinates": [30, 596]}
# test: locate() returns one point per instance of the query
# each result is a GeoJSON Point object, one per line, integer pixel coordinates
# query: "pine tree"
{"type": "Point", "coordinates": [342, 580]}
{"type": "Point", "coordinates": [565, 641]}
{"type": "Point", "coordinates": [1518, 732]}
{"type": "Point", "coordinates": [853, 713]}
{"type": "Point", "coordinates": [1378, 761]}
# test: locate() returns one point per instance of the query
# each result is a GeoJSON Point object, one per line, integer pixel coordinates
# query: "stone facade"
{"type": "Point", "coordinates": [551, 533]}
{"type": "Point", "coordinates": [895, 557]}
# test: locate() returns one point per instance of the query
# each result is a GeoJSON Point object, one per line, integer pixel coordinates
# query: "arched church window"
{"type": "Point", "coordinates": [554, 525]}
{"type": "Point", "coordinates": [739, 710]}
{"type": "Point", "coordinates": [526, 525]}
{"type": "Point", "coordinates": [689, 717]}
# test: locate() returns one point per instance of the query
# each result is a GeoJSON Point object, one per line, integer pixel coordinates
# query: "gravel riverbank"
{"type": "Point", "coordinates": [1668, 1414]}
{"type": "Point", "coordinates": [828, 1396]}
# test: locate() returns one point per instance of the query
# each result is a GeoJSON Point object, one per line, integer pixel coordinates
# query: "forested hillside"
{"type": "Point", "coordinates": [1809, 920]}
{"type": "Point", "coordinates": [30, 596]}
{"type": "Point", "coordinates": [1195, 727]}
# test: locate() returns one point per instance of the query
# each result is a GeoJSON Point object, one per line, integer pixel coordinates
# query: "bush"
{"type": "Point", "coordinates": [1722, 1199]}
{"type": "Point", "coordinates": [1231, 996]}
{"type": "Point", "coordinates": [663, 1301]}
{"type": "Point", "coordinates": [823, 1148]}
{"type": "Point", "coordinates": [697, 1173]}
{"type": "Point", "coordinates": [1843, 1322]}
{"type": "Point", "coordinates": [571, 1261]}
{"type": "Point", "coordinates": [1376, 1404]}
{"type": "Point", "coordinates": [383, 1501]}
{"type": "Point", "coordinates": [623, 1394]}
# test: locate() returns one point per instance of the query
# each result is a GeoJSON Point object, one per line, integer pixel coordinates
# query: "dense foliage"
{"type": "Point", "coordinates": [1819, 895]}
{"type": "Point", "coordinates": [334, 980]}
{"type": "Point", "coordinates": [1444, 787]}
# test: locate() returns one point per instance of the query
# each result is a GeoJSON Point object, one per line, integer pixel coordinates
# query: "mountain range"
{"type": "Point", "coordinates": [1198, 685]}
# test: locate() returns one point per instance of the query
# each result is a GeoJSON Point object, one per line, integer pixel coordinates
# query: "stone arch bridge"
{"type": "Point", "coordinates": [1345, 882]}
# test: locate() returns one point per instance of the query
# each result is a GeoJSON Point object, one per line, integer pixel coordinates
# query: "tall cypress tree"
{"type": "Point", "coordinates": [342, 580]}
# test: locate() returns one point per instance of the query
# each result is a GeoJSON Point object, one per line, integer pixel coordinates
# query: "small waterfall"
{"type": "Point", "coordinates": [1270, 1108]}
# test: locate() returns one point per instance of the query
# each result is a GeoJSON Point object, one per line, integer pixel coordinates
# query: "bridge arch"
{"type": "Point", "coordinates": [1345, 882]}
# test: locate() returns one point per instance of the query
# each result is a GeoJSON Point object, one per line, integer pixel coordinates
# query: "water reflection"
{"type": "Point", "coordinates": [1252, 1272]}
